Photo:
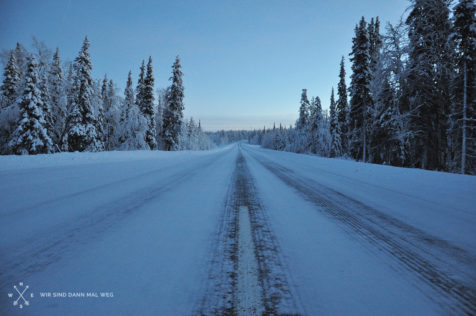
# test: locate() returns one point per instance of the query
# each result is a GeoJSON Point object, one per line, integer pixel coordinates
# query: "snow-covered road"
{"type": "Point", "coordinates": [238, 230]}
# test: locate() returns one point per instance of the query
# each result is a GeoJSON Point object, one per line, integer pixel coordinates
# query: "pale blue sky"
{"type": "Point", "coordinates": [245, 62]}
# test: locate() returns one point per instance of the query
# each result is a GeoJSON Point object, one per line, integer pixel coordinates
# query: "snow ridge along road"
{"type": "Point", "coordinates": [237, 230]}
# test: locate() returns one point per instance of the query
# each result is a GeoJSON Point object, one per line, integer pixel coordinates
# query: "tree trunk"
{"type": "Point", "coordinates": [463, 145]}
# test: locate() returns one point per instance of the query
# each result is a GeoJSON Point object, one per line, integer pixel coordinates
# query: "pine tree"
{"type": "Point", "coordinates": [110, 114]}
{"type": "Point", "coordinates": [359, 91]}
{"type": "Point", "coordinates": [11, 79]}
{"type": "Point", "coordinates": [20, 57]}
{"type": "Point", "coordinates": [173, 113]}
{"type": "Point", "coordinates": [375, 43]}
{"type": "Point", "coordinates": [159, 115]}
{"type": "Point", "coordinates": [31, 137]}
{"type": "Point", "coordinates": [147, 105]}
{"type": "Point", "coordinates": [82, 131]}
{"type": "Point", "coordinates": [333, 113]}
{"type": "Point", "coordinates": [430, 72]}
{"type": "Point", "coordinates": [334, 128]}
{"type": "Point", "coordinates": [132, 125]}
{"type": "Point", "coordinates": [47, 111]}
{"type": "Point", "coordinates": [315, 124]}
{"type": "Point", "coordinates": [342, 108]}
{"type": "Point", "coordinates": [57, 98]}
{"type": "Point", "coordinates": [464, 102]}
{"type": "Point", "coordinates": [128, 99]}
{"type": "Point", "coordinates": [104, 94]}
{"type": "Point", "coordinates": [303, 119]}
{"type": "Point", "coordinates": [140, 86]}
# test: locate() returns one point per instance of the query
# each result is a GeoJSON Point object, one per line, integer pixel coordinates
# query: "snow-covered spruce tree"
{"type": "Point", "coordinates": [9, 112]}
{"type": "Point", "coordinates": [57, 99]}
{"type": "Point", "coordinates": [128, 102]}
{"type": "Point", "coordinates": [314, 125]}
{"type": "Point", "coordinates": [11, 79]}
{"type": "Point", "coordinates": [104, 94]}
{"type": "Point", "coordinates": [375, 42]}
{"type": "Point", "coordinates": [382, 134]}
{"type": "Point", "coordinates": [303, 119]}
{"type": "Point", "coordinates": [82, 133]}
{"type": "Point", "coordinates": [173, 113]}
{"type": "Point", "coordinates": [430, 72]}
{"type": "Point", "coordinates": [132, 125]}
{"type": "Point", "coordinates": [21, 57]}
{"type": "Point", "coordinates": [30, 136]}
{"type": "Point", "coordinates": [110, 113]}
{"type": "Point", "coordinates": [140, 86]}
{"type": "Point", "coordinates": [189, 136]}
{"type": "Point", "coordinates": [359, 92]}
{"type": "Point", "coordinates": [301, 141]}
{"type": "Point", "coordinates": [342, 108]}
{"type": "Point", "coordinates": [463, 133]}
{"type": "Point", "coordinates": [47, 112]}
{"type": "Point", "coordinates": [70, 92]}
{"type": "Point", "coordinates": [334, 128]}
{"type": "Point", "coordinates": [159, 116]}
{"type": "Point", "coordinates": [147, 105]}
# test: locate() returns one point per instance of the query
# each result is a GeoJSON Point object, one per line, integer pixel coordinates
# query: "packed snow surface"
{"type": "Point", "coordinates": [155, 233]}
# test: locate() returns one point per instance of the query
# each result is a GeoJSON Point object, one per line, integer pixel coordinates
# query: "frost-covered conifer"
{"type": "Point", "coordinates": [359, 91]}
{"type": "Point", "coordinates": [82, 131]}
{"type": "Point", "coordinates": [173, 113]}
{"type": "Point", "coordinates": [147, 106]}
{"type": "Point", "coordinates": [342, 108]}
{"type": "Point", "coordinates": [31, 136]}
{"type": "Point", "coordinates": [11, 79]}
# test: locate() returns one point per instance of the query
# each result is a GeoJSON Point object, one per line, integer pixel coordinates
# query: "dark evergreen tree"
{"type": "Point", "coordinates": [57, 98]}
{"type": "Point", "coordinates": [159, 115]}
{"type": "Point", "coordinates": [463, 127]}
{"type": "Point", "coordinates": [334, 128]}
{"type": "Point", "coordinates": [342, 108]}
{"type": "Point", "coordinates": [359, 91]}
{"type": "Point", "coordinates": [110, 114]}
{"type": "Point", "coordinates": [104, 94]}
{"type": "Point", "coordinates": [140, 86]}
{"type": "Point", "coordinates": [430, 72]}
{"type": "Point", "coordinates": [315, 124]}
{"type": "Point", "coordinates": [303, 119]}
{"type": "Point", "coordinates": [332, 114]}
{"type": "Point", "coordinates": [21, 59]}
{"type": "Point", "coordinates": [147, 108]}
{"type": "Point", "coordinates": [11, 79]}
{"type": "Point", "coordinates": [47, 111]}
{"type": "Point", "coordinates": [375, 43]}
{"type": "Point", "coordinates": [82, 131]}
{"type": "Point", "coordinates": [31, 136]}
{"type": "Point", "coordinates": [128, 101]}
{"type": "Point", "coordinates": [173, 113]}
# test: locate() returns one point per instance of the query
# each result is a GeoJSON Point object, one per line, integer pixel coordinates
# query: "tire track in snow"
{"type": "Point", "coordinates": [416, 250]}
{"type": "Point", "coordinates": [225, 289]}
{"type": "Point", "coordinates": [51, 246]}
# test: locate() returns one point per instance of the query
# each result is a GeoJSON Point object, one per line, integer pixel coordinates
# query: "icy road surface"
{"type": "Point", "coordinates": [235, 231]}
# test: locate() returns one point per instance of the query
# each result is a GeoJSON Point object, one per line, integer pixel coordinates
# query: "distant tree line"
{"type": "Point", "coordinates": [411, 100]}
{"type": "Point", "coordinates": [47, 106]}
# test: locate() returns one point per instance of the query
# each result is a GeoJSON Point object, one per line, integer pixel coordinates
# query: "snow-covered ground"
{"type": "Point", "coordinates": [164, 234]}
